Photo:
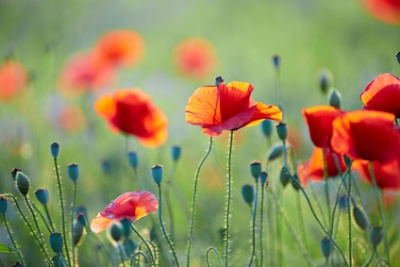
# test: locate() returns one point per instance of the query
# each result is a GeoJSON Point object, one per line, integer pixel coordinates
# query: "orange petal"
{"type": "Point", "coordinates": [105, 107]}
{"type": "Point", "coordinates": [100, 223]}
{"type": "Point", "coordinates": [263, 111]}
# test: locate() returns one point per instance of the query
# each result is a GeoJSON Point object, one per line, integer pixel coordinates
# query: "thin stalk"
{"type": "Point", "coordinates": [163, 227]}
{"type": "Point", "coordinates": [370, 259]}
{"type": "Point", "coordinates": [380, 205]}
{"type": "Point", "coordinates": [261, 226]}
{"type": "Point", "coordinates": [168, 202]}
{"type": "Point", "coordinates": [121, 254]}
{"type": "Point", "coordinates": [228, 203]}
{"type": "Point", "coordinates": [145, 243]}
{"type": "Point", "coordinates": [137, 254]}
{"type": "Point", "coordinates": [316, 199]}
{"type": "Point", "coordinates": [337, 199]}
{"type": "Point", "coordinates": [253, 228]}
{"type": "Point", "coordinates": [34, 218]}
{"type": "Point", "coordinates": [12, 240]}
{"type": "Point", "coordinates": [60, 192]}
{"type": "Point", "coordinates": [46, 209]}
{"type": "Point", "coordinates": [279, 230]}
{"type": "Point", "coordinates": [349, 218]}
{"type": "Point", "coordinates": [43, 219]}
{"type": "Point", "coordinates": [328, 202]}
{"type": "Point", "coordinates": [193, 210]}
{"type": "Point", "coordinates": [72, 225]}
{"type": "Point", "coordinates": [216, 253]}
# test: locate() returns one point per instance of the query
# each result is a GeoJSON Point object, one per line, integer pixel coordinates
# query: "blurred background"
{"type": "Point", "coordinates": [340, 39]}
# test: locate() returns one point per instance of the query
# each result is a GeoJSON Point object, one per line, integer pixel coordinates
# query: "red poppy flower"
{"type": "Point", "coordinates": [319, 120]}
{"type": "Point", "coordinates": [227, 107]}
{"type": "Point", "coordinates": [387, 175]}
{"type": "Point", "coordinates": [85, 72]}
{"type": "Point", "coordinates": [132, 112]}
{"type": "Point", "coordinates": [383, 94]}
{"type": "Point", "coordinates": [13, 79]}
{"type": "Point", "coordinates": [195, 57]}
{"type": "Point", "coordinates": [120, 48]}
{"type": "Point", "coordinates": [130, 205]}
{"type": "Point", "coordinates": [314, 168]}
{"type": "Point", "coordinates": [366, 135]}
{"type": "Point", "coordinates": [387, 11]}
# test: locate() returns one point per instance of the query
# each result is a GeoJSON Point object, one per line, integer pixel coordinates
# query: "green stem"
{"type": "Point", "coordinates": [193, 210]}
{"type": "Point", "coordinates": [49, 218]}
{"type": "Point", "coordinates": [279, 229]}
{"type": "Point", "coordinates": [228, 203]}
{"type": "Point", "coordinates": [145, 243]}
{"type": "Point", "coordinates": [380, 205]}
{"type": "Point", "coordinates": [337, 199]}
{"type": "Point", "coordinates": [60, 192]}
{"type": "Point", "coordinates": [328, 202]}
{"type": "Point", "coordinates": [43, 219]}
{"type": "Point", "coordinates": [261, 226]}
{"type": "Point", "coordinates": [12, 239]}
{"type": "Point", "coordinates": [163, 227]}
{"type": "Point", "coordinates": [72, 225]}
{"type": "Point", "coordinates": [121, 254]}
{"type": "Point", "coordinates": [370, 259]}
{"type": "Point", "coordinates": [168, 202]}
{"type": "Point", "coordinates": [349, 218]}
{"type": "Point", "coordinates": [253, 228]}
{"type": "Point", "coordinates": [301, 221]}
{"type": "Point", "coordinates": [216, 253]}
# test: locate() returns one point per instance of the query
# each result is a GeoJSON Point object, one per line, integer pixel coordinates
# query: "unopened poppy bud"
{"type": "Point", "coordinates": [248, 194]}
{"type": "Point", "coordinates": [295, 182]}
{"type": "Point", "coordinates": [375, 235]}
{"type": "Point", "coordinates": [266, 128]}
{"type": "Point", "coordinates": [218, 80]}
{"type": "Point", "coordinates": [326, 247]}
{"type": "Point", "coordinates": [157, 174]}
{"type": "Point", "coordinates": [276, 61]}
{"type": "Point", "coordinates": [81, 219]}
{"type": "Point", "coordinates": [55, 149]}
{"type": "Point", "coordinates": [324, 81]}
{"type": "Point", "coordinates": [106, 166]}
{"type": "Point", "coordinates": [42, 195]}
{"type": "Point", "coordinates": [335, 98]}
{"type": "Point", "coordinates": [343, 203]}
{"type": "Point", "coordinates": [126, 227]}
{"type": "Point", "coordinates": [129, 246]}
{"type": "Point", "coordinates": [285, 176]}
{"type": "Point", "coordinates": [3, 205]}
{"type": "Point", "coordinates": [360, 218]}
{"type": "Point", "coordinates": [281, 130]}
{"type": "Point", "coordinates": [14, 173]}
{"type": "Point", "coordinates": [398, 57]}
{"type": "Point", "coordinates": [56, 242]}
{"type": "Point", "coordinates": [176, 152]}
{"type": "Point", "coordinates": [263, 177]}
{"type": "Point", "coordinates": [23, 183]}
{"type": "Point", "coordinates": [17, 264]}
{"type": "Point", "coordinates": [115, 232]}
{"type": "Point", "coordinates": [73, 172]}
{"type": "Point", "coordinates": [77, 232]}
{"type": "Point", "coordinates": [81, 210]}
{"type": "Point", "coordinates": [255, 169]}
{"type": "Point", "coordinates": [275, 151]}
{"type": "Point", "coordinates": [58, 261]}
{"type": "Point", "coordinates": [347, 160]}
{"type": "Point", "coordinates": [133, 159]}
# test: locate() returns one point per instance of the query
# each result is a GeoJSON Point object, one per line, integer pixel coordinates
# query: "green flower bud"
{"type": "Point", "coordinates": [116, 233]}
{"type": "Point", "coordinates": [375, 235]}
{"type": "Point", "coordinates": [77, 232]}
{"type": "Point", "coordinates": [56, 242]}
{"type": "Point", "coordinates": [42, 195]}
{"type": "Point", "coordinates": [360, 218]}
{"type": "Point", "coordinates": [263, 177]}
{"type": "Point", "coordinates": [126, 227]}
{"type": "Point", "coordinates": [3, 205]}
{"type": "Point", "coordinates": [55, 149]}
{"type": "Point", "coordinates": [23, 183]}
{"type": "Point", "coordinates": [295, 182]}
{"type": "Point", "coordinates": [176, 152]}
{"type": "Point", "coordinates": [335, 98]}
{"type": "Point", "coordinates": [157, 174]}
{"type": "Point", "coordinates": [129, 246]}
{"type": "Point", "coordinates": [248, 194]}
{"type": "Point", "coordinates": [73, 172]}
{"type": "Point", "coordinates": [275, 151]}
{"type": "Point", "coordinates": [285, 176]}
{"type": "Point", "coordinates": [266, 127]}
{"type": "Point", "coordinates": [326, 246]}
{"type": "Point", "coordinates": [255, 169]}
{"type": "Point", "coordinates": [281, 130]}
{"type": "Point", "coordinates": [133, 159]}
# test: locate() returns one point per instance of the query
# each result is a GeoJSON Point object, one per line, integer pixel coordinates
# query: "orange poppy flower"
{"type": "Point", "coordinates": [366, 135]}
{"type": "Point", "coordinates": [227, 107]}
{"type": "Point", "coordinates": [387, 175]}
{"type": "Point", "coordinates": [383, 94]}
{"type": "Point", "coordinates": [314, 168]}
{"type": "Point", "coordinates": [13, 79]}
{"type": "Point", "coordinates": [120, 48]}
{"type": "Point", "coordinates": [130, 205]}
{"type": "Point", "coordinates": [84, 72]}
{"type": "Point", "coordinates": [132, 112]}
{"type": "Point", "coordinates": [319, 121]}
{"type": "Point", "coordinates": [195, 57]}
{"type": "Point", "coordinates": [387, 11]}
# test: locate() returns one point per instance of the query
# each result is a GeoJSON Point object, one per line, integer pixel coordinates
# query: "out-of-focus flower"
{"type": "Point", "coordinates": [71, 119]}
{"type": "Point", "coordinates": [13, 79]}
{"type": "Point", "coordinates": [85, 72]}
{"type": "Point", "coordinates": [195, 57]}
{"type": "Point", "coordinates": [130, 205]}
{"type": "Point", "coordinates": [120, 48]}
{"type": "Point", "coordinates": [319, 120]}
{"type": "Point", "coordinates": [387, 11]}
{"type": "Point", "coordinates": [383, 94]}
{"type": "Point", "coordinates": [387, 175]}
{"type": "Point", "coordinates": [294, 139]}
{"type": "Point", "coordinates": [366, 135]}
{"type": "Point", "coordinates": [314, 168]}
{"type": "Point", "coordinates": [227, 107]}
{"type": "Point", "coordinates": [131, 111]}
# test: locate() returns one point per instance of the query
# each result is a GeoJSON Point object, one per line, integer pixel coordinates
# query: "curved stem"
{"type": "Point", "coordinates": [145, 243]}
{"type": "Point", "coordinates": [253, 230]}
{"type": "Point", "coordinates": [43, 219]}
{"type": "Point", "coordinates": [34, 217]}
{"type": "Point", "coordinates": [370, 259]}
{"type": "Point", "coordinates": [72, 225]}
{"type": "Point", "coordinates": [138, 253]}
{"type": "Point", "coordinates": [228, 202]}
{"type": "Point", "coordinates": [216, 253]}
{"type": "Point", "coordinates": [193, 210]}
{"type": "Point", "coordinates": [12, 239]}
{"type": "Point", "coordinates": [337, 199]}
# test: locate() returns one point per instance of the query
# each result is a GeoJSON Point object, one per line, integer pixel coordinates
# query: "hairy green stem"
{"type": "Point", "coordinates": [193, 210]}
{"type": "Point", "coordinates": [168, 202]}
{"type": "Point", "coordinates": [12, 240]}
{"type": "Point", "coordinates": [72, 225]}
{"type": "Point", "coordinates": [145, 243]}
{"type": "Point", "coordinates": [253, 228]}
{"type": "Point", "coordinates": [43, 219]}
{"type": "Point", "coordinates": [261, 226]}
{"type": "Point", "coordinates": [216, 253]}
{"type": "Point", "coordinates": [49, 218]}
{"type": "Point", "coordinates": [328, 202]}
{"type": "Point", "coordinates": [121, 254]}
{"type": "Point", "coordinates": [349, 218]}
{"type": "Point", "coordinates": [228, 202]}
{"type": "Point", "coordinates": [370, 259]}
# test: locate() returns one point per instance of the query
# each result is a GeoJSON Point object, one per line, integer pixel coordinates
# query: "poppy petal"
{"type": "Point", "coordinates": [100, 223]}
{"type": "Point", "coordinates": [263, 112]}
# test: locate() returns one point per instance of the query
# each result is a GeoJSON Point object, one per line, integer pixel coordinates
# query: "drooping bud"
{"type": "Point", "coordinates": [73, 172]}
{"type": "Point", "coordinates": [81, 210]}
{"type": "Point", "coordinates": [266, 128]}
{"type": "Point", "coordinates": [276, 61]}
{"type": "Point", "coordinates": [295, 182]}
{"type": "Point", "coordinates": [275, 151]}
{"type": "Point", "coordinates": [133, 159]}
{"type": "Point", "coordinates": [218, 80]}
{"type": "Point", "coordinates": [285, 176]}
{"type": "Point", "coordinates": [375, 235]}
{"type": "Point", "coordinates": [23, 183]}
{"type": "Point", "coordinates": [326, 247]}
{"type": "Point", "coordinates": [255, 169]}
{"type": "Point", "coordinates": [58, 261]}
{"type": "Point", "coordinates": [115, 232]}
{"type": "Point", "coordinates": [42, 195]}
{"type": "Point", "coordinates": [55, 149]}
{"type": "Point", "coordinates": [281, 130]}
{"type": "Point", "coordinates": [248, 194]}
{"type": "Point", "coordinates": [176, 153]}
{"type": "Point", "coordinates": [335, 98]}
{"type": "Point", "coordinates": [81, 219]}
{"type": "Point", "coordinates": [3, 205]}
{"type": "Point", "coordinates": [56, 242]}
{"type": "Point", "coordinates": [126, 227]}
{"type": "Point", "coordinates": [360, 218]}
{"type": "Point", "coordinates": [77, 232]}
{"type": "Point", "coordinates": [263, 177]}
{"type": "Point", "coordinates": [157, 174]}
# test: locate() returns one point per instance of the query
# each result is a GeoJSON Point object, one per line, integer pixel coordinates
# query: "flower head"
{"type": "Point", "coordinates": [130, 205]}
{"type": "Point", "coordinates": [387, 175]}
{"type": "Point", "coordinates": [366, 135]}
{"type": "Point", "coordinates": [13, 79]}
{"type": "Point", "coordinates": [131, 111]}
{"type": "Point", "coordinates": [383, 94]}
{"type": "Point", "coordinates": [227, 107]}
{"type": "Point", "coordinates": [387, 11]}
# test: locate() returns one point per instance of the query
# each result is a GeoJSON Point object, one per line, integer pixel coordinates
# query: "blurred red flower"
{"type": "Point", "coordinates": [366, 135]}
{"type": "Point", "coordinates": [13, 79]}
{"type": "Point", "coordinates": [130, 205]}
{"type": "Point", "coordinates": [383, 94]}
{"type": "Point", "coordinates": [227, 107]}
{"type": "Point", "coordinates": [120, 48]}
{"type": "Point", "coordinates": [85, 72]}
{"type": "Point", "coordinates": [314, 168]}
{"type": "Point", "coordinates": [195, 57]}
{"type": "Point", "coordinates": [319, 121]}
{"type": "Point", "coordinates": [387, 11]}
{"type": "Point", "coordinates": [71, 119]}
{"type": "Point", "coordinates": [132, 112]}
{"type": "Point", "coordinates": [387, 175]}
